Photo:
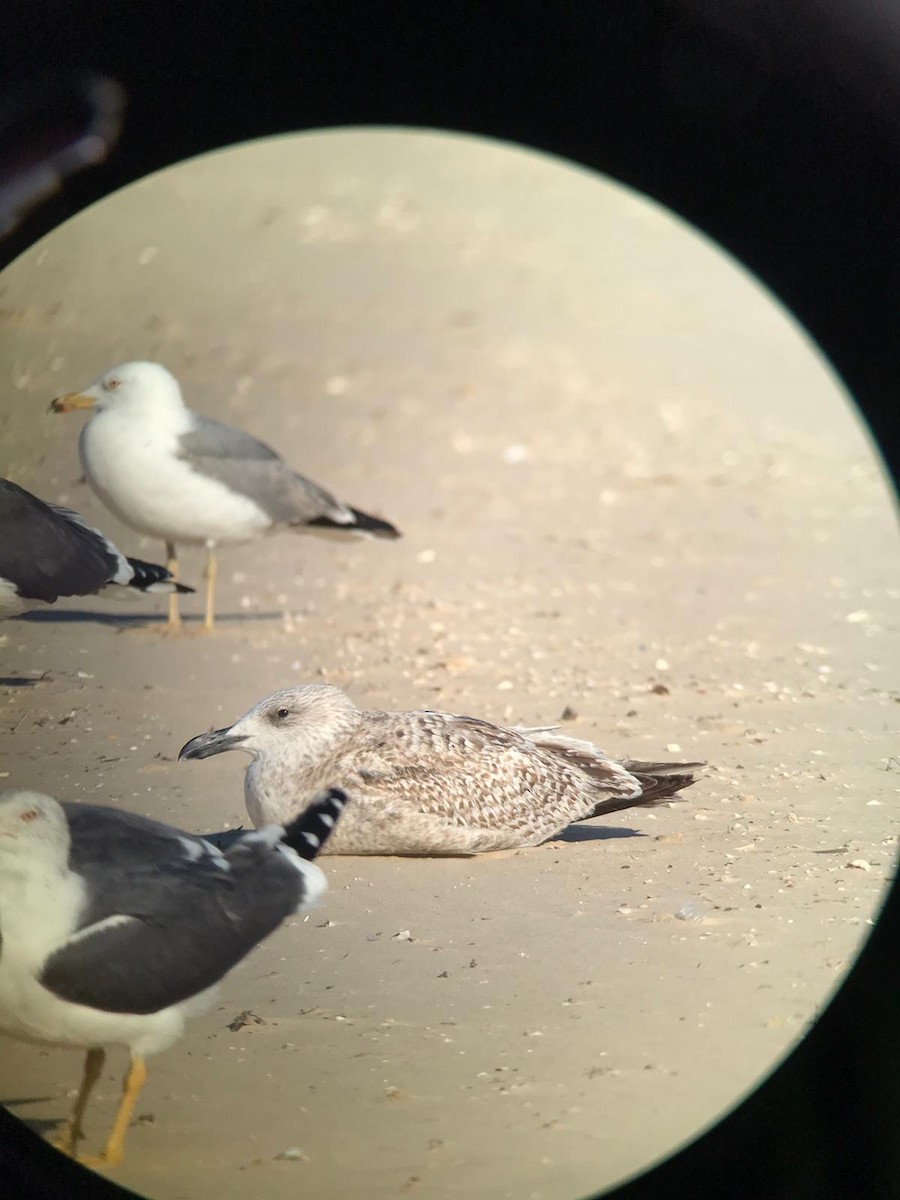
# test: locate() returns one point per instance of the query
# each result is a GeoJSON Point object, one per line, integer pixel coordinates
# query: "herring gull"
{"type": "Point", "coordinates": [188, 479]}
{"type": "Point", "coordinates": [116, 928]}
{"type": "Point", "coordinates": [47, 551]}
{"type": "Point", "coordinates": [427, 782]}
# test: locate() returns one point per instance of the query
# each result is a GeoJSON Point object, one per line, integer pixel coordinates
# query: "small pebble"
{"type": "Point", "coordinates": [292, 1154]}
{"type": "Point", "coordinates": [247, 1017]}
{"type": "Point", "coordinates": [691, 911]}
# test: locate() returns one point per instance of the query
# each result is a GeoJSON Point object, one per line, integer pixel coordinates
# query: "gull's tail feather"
{"type": "Point", "coordinates": [659, 782]}
{"type": "Point", "coordinates": [150, 577]}
{"type": "Point", "coordinates": [604, 771]}
{"type": "Point", "coordinates": [308, 833]}
{"type": "Point", "coordinates": [656, 781]}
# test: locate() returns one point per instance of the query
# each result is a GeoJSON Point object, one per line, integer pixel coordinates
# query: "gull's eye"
{"type": "Point", "coordinates": [110, 385]}
{"type": "Point", "coordinates": [282, 713]}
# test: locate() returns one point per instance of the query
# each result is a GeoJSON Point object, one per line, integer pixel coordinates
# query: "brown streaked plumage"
{"type": "Point", "coordinates": [427, 782]}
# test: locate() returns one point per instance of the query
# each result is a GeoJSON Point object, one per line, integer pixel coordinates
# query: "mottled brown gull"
{"type": "Point", "coordinates": [168, 472]}
{"type": "Point", "coordinates": [427, 782]}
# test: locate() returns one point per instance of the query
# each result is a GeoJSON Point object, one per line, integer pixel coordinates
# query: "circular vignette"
{"type": "Point", "coordinates": [863, 355]}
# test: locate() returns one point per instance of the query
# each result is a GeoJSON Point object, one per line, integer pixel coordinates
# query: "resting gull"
{"type": "Point", "coordinates": [47, 551]}
{"type": "Point", "coordinates": [115, 928]}
{"type": "Point", "coordinates": [171, 473]}
{"type": "Point", "coordinates": [427, 782]}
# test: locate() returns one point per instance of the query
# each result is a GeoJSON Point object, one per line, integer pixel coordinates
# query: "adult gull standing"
{"type": "Point", "coordinates": [189, 479]}
{"type": "Point", "coordinates": [427, 782]}
{"type": "Point", "coordinates": [115, 928]}
{"type": "Point", "coordinates": [47, 551]}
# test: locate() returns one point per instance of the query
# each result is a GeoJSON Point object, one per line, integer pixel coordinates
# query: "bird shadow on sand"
{"type": "Point", "coordinates": [593, 833]}
{"type": "Point", "coordinates": [39, 1125]}
{"type": "Point", "coordinates": [12, 681]}
{"type": "Point", "coordinates": [137, 620]}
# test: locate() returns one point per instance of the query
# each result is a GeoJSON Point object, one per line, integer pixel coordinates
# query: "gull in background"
{"type": "Point", "coordinates": [188, 479]}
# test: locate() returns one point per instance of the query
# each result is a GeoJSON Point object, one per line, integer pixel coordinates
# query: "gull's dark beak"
{"type": "Point", "coordinates": [207, 744]}
{"type": "Point", "coordinates": [70, 401]}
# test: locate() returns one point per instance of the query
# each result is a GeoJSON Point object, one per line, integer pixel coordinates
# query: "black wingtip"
{"type": "Point", "coordinates": [149, 577]}
{"type": "Point", "coordinates": [225, 839]}
{"type": "Point", "coordinates": [309, 832]}
{"type": "Point", "coordinates": [362, 523]}
{"type": "Point", "coordinates": [374, 525]}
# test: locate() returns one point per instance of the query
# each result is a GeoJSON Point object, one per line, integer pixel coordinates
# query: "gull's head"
{"type": "Point", "coordinates": [305, 717]}
{"type": "Point", "coordinates": [32, 826]}
{"type": "Point", "coordinates": [135, 386]}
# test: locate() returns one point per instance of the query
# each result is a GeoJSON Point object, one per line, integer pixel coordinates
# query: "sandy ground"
{"type": "Point", "coordinates": [627, 486]}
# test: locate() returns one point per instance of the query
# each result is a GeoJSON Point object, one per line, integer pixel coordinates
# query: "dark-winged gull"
{"type": "Point", "coordinates": [169, 472]}
{"type": "Point", "coordinates": [115, 928]}
{"type": "Point", "coordinates": [47, 551]}
{"type": "Point", "coordinates": [427, 782]}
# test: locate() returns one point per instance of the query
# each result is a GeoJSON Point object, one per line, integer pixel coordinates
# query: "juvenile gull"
{"type": "Point", "coordinates": [115, 928]}
{"type": "Point", "coordinates": [47, 551]}
{"type": "Point", "coordinates": [171, 473]}
{"type": "Point", "coordinates": [427, 782]}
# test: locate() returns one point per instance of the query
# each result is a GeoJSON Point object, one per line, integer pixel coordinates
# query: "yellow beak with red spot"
{"type": "Point", "coordinates": [71, 401]}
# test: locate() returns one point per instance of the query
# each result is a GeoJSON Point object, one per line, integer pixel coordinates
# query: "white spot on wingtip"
{"type": "Point", "coordinates": [316, 885]}
{"type": "Point", "coordinates": [207, 850]}
{"type": "Point", "coordinates": [98, 928]}
{"type": "Point", "coordinates": [192, 849]}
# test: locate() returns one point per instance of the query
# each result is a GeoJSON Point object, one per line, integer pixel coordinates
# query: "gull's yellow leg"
{"type": "Point", "coordinates": [172, 565]}
{"type": "Point", "coordinates": [68, 1137]}
{"type": "Point", "coordinates": [114, 1149]}
{"type": "Point", "coordinates": [212, 569]}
